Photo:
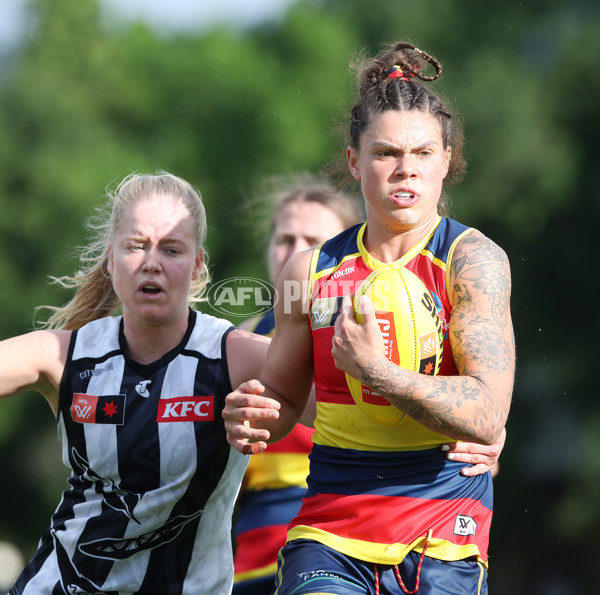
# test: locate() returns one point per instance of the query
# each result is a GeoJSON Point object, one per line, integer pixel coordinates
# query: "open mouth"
{"type": "Point", "coordinates": [404, 195]}
{"type": "Point", "coordinates": [151, 289]}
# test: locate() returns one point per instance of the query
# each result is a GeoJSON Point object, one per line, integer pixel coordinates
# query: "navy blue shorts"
{"type": "Point", "coordinates": [307, 567]}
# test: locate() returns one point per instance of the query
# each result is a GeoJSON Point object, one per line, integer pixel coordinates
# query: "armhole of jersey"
{"type": "Point", "coordinates": [451, 256]}
{"type": "Point", "coordinates": [224, 361]}
{"type": "Point", "coordinates": [62, 388]}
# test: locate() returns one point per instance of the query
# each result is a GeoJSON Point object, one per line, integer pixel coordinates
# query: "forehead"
{"type": "Point", "coordinates": [157, 216]}
{"type": "Point", "coordinates": [307, 219]}
{"type": "Point", "coordinates": [412, 127]}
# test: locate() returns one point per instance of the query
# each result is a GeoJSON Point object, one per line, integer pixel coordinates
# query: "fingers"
{"type": "Point", "coordinates": [246, 447]}
{"type": "Point", "coordinates": [253, 387]}
{"type": "Point", "coordinates": [246, 439]}
{"type": "Point", "coordinates": [246, 403]}
{"type": "Point", "coordinates": [367, 309]}
{"type": "Point", "coordinates": [355, 340]}
{"type": "Point", "coordinates": [346, 313]}
{"type": "Point", "coordinates": [488, 451]}
{"type": "Point", "coordinates": [480, 469]}
{"type": "Point", "coordinates": [481, 458]}
{"type": "Point", "coordinates": [474, 470]}
{"type": "Point", "coordinates": [245, 407]}
{"type": "Point", "coordinates": [253, 449]}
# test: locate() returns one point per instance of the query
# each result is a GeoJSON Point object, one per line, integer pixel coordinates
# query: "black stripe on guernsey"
{"type": "Point", "coordinates": [137, 486]}
{"type": "Point", "coordinates": [210, 465]}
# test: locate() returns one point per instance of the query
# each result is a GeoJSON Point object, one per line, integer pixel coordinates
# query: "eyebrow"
{"type": "Point", "coordinates": [135, 237]}
{"type": "Point", "coordinates": [386, 145]}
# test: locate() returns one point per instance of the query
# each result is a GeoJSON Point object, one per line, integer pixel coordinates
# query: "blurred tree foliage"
{"type": "Point", "coordinates": [83, 102]}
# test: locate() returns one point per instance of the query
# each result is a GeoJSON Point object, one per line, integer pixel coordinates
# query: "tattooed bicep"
{"type": "Point", "coordinates": [480, 327]}
{"type": "Point", "coordinates": [480, 278]}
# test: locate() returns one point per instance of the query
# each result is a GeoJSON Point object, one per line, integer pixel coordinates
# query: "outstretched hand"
{"type": "Point", "coordinates": [245, 407]}
{"type": "Point", "coordinates": [355, 345]}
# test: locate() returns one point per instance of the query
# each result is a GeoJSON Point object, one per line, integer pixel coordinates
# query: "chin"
{"type": "Point", "coordinates": [405, 221]}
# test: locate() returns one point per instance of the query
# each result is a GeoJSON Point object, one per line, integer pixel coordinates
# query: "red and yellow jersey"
{"type": "Point", "coordinates": [273, 487]}
{"type": "Point", "coordinates": [376, 491]}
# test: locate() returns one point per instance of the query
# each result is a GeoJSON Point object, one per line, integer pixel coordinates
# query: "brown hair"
{"type": "Point", "coordinates": [378, 93]}
{"type": "Point", "coordinates": [320, 191]}
{"type": "Point", "coordinates": [277, 192]}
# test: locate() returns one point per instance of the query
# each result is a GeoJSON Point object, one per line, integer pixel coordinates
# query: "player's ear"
{"type": "Point", "coordinates": [448, 155]}
{"type": "Point", "coordinates": [110, 265]}
{"type": "Point", "coordinates": [197, 270]}
{"type": "Point", "coordinates": [352, 157]}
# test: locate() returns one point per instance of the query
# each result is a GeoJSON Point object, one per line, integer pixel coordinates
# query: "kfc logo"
{"type": "Point", "coordinates": [186, 409]}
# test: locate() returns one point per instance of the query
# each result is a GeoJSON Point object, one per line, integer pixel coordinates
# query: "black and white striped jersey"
{"type": "Point", "coordinates": [153, 480]}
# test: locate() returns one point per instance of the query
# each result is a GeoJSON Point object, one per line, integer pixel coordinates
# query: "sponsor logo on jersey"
{"type": "Point", "coordinates": [186, 409]}
{"type": "Point", "coordinates": [341, 272]}
{"type": "Point", "coordinates": [325, 311]}
{"type": "Point", "coordinates": [141, 388]}
{"type": "Point", "coordinates": [464, 525]}
{"type": "Point", "coordinates": [92, 409]}
{"type": "Point", "coordinates": [374, 398]}
{"type": "Point", "coordinates": [116, 548]}
{"type": "Point", "coordinates": [387, 326]}
{"type": "Point", "coordinates": [96, 371]}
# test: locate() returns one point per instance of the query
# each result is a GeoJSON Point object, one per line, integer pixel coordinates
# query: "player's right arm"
{"type": "Point", "coordinates": [34, 362]}
{"type": "Point", "coordinates": [472, 406]}
{"type": "Point", "coordinates": [266, 410]}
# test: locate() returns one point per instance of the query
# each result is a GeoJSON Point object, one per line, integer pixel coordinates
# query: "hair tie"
{"type": "Point", "coordinates": [395, 72]}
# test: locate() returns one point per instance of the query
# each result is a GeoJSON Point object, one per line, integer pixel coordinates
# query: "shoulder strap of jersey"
{"type": "Point", "coordinates": [442, 243]}
{"type": "Point", "coordinates": [331, 253]}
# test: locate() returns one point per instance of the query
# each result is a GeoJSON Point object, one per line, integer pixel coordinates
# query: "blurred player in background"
{"type": "Point", "coordinates": [307, 211]}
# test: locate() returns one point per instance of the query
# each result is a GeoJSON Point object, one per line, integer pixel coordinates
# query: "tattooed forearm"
{"type": "Point", "coordinates": [447, 403]}
{"type": "Point", "coordinates": [472, 404]}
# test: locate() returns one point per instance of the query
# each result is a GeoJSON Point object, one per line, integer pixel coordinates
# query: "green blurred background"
{"type": "Point", "coordinates": [86, 97]}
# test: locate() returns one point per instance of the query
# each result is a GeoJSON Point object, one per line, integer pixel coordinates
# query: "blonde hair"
{"type": "Point", "coordinates": [95, 296]}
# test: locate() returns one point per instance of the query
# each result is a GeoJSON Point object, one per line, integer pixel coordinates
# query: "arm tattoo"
{"type": "Point", "coordinates": [440, 408]}
{"type": "Point", "coordinates": [466, 407]}
{"type": "Point", "coordinates": [485, 266]}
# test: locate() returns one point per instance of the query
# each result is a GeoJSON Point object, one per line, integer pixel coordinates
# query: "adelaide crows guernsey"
{"type": "Point", "coordinates": [376, 492]}
{"type": "Point", "coordinates": [153, 479]}
{"type": "Point", "coordinates": [274, 485]}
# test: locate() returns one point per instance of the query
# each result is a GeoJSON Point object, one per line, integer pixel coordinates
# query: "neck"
{"type": "Point", "coordinates": [387, 245]}
{"type": "Point", "coordinates": [146, 343]}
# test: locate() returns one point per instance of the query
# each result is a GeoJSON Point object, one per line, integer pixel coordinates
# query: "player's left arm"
{"type": "Point", "coordinates": [481, 334]}
{"type": "Point", "coordinates": [474, 405]}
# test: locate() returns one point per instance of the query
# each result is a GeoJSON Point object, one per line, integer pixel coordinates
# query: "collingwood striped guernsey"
{"type": "Point", "coordinates": [153, 479]}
